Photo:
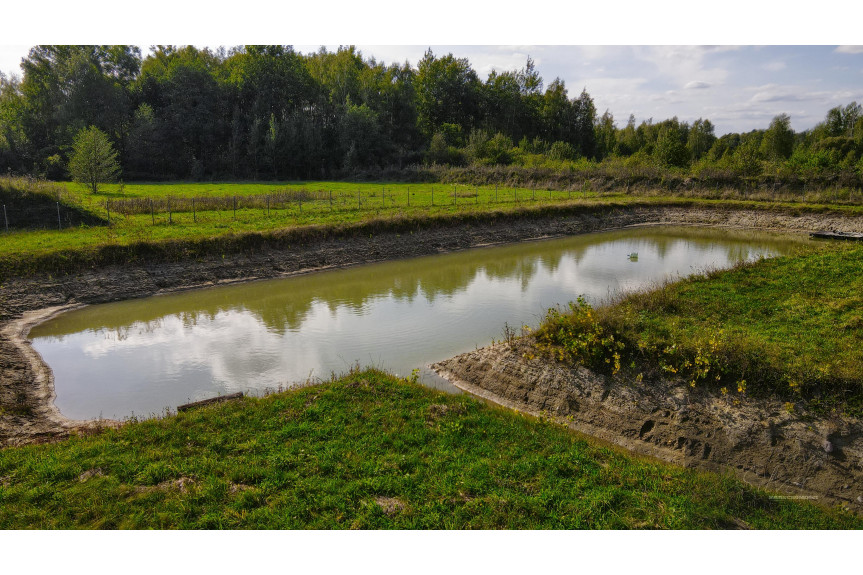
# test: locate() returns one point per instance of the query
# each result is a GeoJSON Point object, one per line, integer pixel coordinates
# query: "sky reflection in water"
{"type": "Point", "coordinates": [143, 356]}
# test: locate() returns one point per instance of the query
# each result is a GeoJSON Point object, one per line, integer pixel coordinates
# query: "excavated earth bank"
{"type": "Point", "coordinates": [759, 442]}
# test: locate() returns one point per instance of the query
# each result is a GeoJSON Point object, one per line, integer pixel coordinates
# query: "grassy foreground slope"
{"type": "Point", "coordinates": [369, 451]}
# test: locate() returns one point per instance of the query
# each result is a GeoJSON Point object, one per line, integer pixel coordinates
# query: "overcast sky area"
{"type": "Point", "coordinates": [739, 86]}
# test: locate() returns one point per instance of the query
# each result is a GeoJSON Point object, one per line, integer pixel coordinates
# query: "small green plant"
{"type": "Point", "coordinates": [577, 335]}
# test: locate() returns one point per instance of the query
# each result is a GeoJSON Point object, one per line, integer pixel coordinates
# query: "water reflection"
{"type": "Point", "coordinates": [145, 355]}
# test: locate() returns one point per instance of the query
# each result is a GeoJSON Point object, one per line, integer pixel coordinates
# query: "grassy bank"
{"type": "Point", "coordinates": [170, 222]}
{"type": "Point", "coordinates": [368, 451]}
{"type": "Point", "coordinates": [789, 327]}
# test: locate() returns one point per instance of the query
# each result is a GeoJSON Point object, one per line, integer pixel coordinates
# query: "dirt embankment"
{"type": "Point", "coordinates": [759, 441]}
{"type": "Point", "coordinates": [27, 413]}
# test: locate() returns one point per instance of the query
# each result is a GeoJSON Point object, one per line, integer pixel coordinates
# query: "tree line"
{"type": "Point", "coordinates": [269, 112]}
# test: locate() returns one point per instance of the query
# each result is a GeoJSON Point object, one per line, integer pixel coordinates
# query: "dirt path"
{"type": "Point", "coordinates": [27, 413]}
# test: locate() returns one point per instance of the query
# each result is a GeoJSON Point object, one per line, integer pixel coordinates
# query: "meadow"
{"type": "Point", "coordinates": [370, 451]}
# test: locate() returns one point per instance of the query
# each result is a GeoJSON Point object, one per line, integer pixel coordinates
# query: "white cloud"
{"type": "Point", "coordinates": [696, 85]}
{"type": "Point", "coordinates": [681, 63]}
{"type": "Point", "coordinates": [849, 50]}
{"type": "Point", "coordinates": [775, 66]}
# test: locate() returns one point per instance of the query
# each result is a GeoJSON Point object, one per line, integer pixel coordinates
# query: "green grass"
{"type": "Point", "coordinates": [187, 233]}
{"type": "Point", "coordinates": [789, 327]}
{"type": "Point", "coordinates": [369, 451]}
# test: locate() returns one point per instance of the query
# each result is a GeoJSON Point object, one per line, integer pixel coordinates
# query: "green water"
{"type": "Point", "coordinates": [141, 357]}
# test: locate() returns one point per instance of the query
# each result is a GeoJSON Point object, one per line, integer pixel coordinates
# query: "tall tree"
{"type": "Point", "coordinates": [447, 92]}
{"type": "Point", "coordinates": [606, 136]}
{"type": "Point", "coordinates": [778, 141]}
{"type": "Point", "coordinates": [701, 138]}
{"type": "Point", "coordinates": [70, 87]}
{"type": "Point", "coordinates": [13, 141]}
{"type": "Point", "coordinates": [670, 149]}
{"type": "Point", "coordinates": [583, 121]}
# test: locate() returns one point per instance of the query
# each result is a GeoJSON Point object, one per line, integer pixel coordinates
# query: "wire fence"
{"type": "Point", "coordinates": [286, 203]}
{"type": "Point", "coordinates": [47, 211]}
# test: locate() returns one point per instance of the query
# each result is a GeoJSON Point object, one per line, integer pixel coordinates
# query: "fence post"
{"type": "Point", "coordinates": [59, 223]}
{"type": "Point", "coordinates": [152, 213]}
{"type": "Point", "coordinates": [359, 201]}
{"type": "Point", "coordinates": [170, 215]}
{"type": "Point", "coordinates": [194, 215]}
{"type": "Point", "coordinates": [454, 197]}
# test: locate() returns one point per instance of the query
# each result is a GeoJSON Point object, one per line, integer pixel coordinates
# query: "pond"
{"type": "Point", "coordinates": [146, 356]}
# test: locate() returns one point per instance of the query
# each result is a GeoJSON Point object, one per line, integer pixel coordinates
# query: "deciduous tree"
{"type": "Point", "coordinates": [94, 160]}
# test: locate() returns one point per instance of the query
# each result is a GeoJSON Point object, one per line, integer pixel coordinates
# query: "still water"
{"type": "Point", "coordinates": [144, 356]}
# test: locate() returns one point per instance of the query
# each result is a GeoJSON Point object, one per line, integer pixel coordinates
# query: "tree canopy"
{"type": "Point", "coordinates": [271, 112]}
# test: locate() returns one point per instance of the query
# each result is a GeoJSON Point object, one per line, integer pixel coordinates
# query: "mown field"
{"type": "Point", "coordinates": [369, 451]}
{"type": "Point", "coordinates": [179, 219]}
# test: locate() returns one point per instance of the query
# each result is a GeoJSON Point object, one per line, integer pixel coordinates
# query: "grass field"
{"type": "Point", "coordinates": [177, 214]}
{"type": "Point", "coordinates": [369, 451]}
{"type": "Point", "coordinates": [789, 327]}
{"type": "Point", "coordinates": [160, 213]}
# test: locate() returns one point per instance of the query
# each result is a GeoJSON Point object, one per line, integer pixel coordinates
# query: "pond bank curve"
{"type": "Point", "coordinates": [27, 413]}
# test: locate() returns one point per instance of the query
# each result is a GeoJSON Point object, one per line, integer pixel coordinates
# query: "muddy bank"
{"type": "Point", "coordinates": [27, 413]}
{"type": "Point", "coordinates": [758, 441]}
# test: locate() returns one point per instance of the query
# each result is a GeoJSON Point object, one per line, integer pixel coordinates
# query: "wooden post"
{"type": "Point", "coordinates": [152, 213]}
{"type": "Point", "coordinates": [107, 209]}
{"type": "Point", "coordinates": [170, 215]}
{"type": "Point", "coordinates": [454, 197]}
{"type": "Point", "coordinates": [211, 401]}
{"type": "Point", "coordinates": [194, 215]}
{"type": "Point", "coordinates": [359, 201]}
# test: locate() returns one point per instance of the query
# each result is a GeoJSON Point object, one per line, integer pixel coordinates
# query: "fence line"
{"type": "Point", "coordinates": [286, 203]}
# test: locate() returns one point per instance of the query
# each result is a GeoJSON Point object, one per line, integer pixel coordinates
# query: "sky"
{"type": "Point", "coordinates": [649, 65]}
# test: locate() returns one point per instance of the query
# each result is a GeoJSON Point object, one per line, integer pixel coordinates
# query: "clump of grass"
{"type": "Point", "coordinates": [787, 327]}
{"type": "Point", "coordinates": [369, 451]}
